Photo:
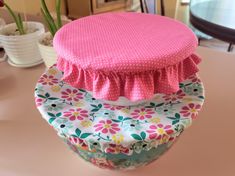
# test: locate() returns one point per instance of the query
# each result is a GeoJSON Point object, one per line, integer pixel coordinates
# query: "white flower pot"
{"type": "Point", "coordinates": [48, 53]}
{"type": "Point", "coordinates": [22, 50]}
{"type": "Point", "coordinates": [2, 24]}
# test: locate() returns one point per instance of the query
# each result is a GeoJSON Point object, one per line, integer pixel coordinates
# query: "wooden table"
{"type": "Point", "coordinates": [29, 147]}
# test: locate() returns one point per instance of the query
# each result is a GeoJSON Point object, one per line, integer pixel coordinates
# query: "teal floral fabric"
{"type": "Point", "coordinates": [90, 125]}
{"type": "Point", "coordinates": [121, 161]}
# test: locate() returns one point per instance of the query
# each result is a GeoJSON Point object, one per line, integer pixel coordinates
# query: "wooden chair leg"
{"type": "Point", "coordinates": [199, 41]}
{"type": "Point", "coordinates": [142, 6]}
{"type": "Point", "coordinates": [230, 47]}
{"type": "Point", "coordinates": [162, 8]}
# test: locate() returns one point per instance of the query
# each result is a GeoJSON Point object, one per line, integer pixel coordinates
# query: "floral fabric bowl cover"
{"type": "Point", "coordinates": [117, 137]}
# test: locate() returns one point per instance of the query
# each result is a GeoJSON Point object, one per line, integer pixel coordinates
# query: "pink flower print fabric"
{"type": "Point", "coordinates": [90, 123]}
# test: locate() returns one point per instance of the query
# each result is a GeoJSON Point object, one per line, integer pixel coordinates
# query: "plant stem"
{"type": "Point", "coordinates": [48, 16]}
{"type": "Point", "coordinates": [17, 20]}
{"type": "Point", "coordinates": [50, 27]}
{"type": "Point", "coordinates": [21, 25]}
{"type": "Point", "coordinates": [58, 7]}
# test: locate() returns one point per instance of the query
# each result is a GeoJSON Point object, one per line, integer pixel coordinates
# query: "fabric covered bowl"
{"type": "Point", "coordinates": [129, 55]}
{"type": "Point", "coordinates": [142, 155]}
{"type": "Point", "coordinates": [123, 101]}
{"type": "Point", "coordinates": [117, 137]}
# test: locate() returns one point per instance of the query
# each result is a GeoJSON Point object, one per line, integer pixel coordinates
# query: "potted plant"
{"type": "Point", "coordinates": [19, 40]}
{"type": "Point", "coordinates": [2, 24]}
{"type": "Point", "coordinates": [46, 40]}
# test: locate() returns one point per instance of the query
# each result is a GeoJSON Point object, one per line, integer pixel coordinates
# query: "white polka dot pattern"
{"type": "Point", "coordinates": [126, 54]}
{"type": "Point", "coordinates": [135, 87]}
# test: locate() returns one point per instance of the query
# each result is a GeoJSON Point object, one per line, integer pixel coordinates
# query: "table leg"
{"type": "Point", "coordinates": [162, 8]}
{"type": "Point", "coordinates": [230, 47]}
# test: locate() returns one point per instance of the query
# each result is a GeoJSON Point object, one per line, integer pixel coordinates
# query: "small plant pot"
{"type": "Point", "coordinates": [2, 24]}
{"type": "Point", "coordinates": [22, 50]}
{"type": "Point", "coordinates": [48, 53]}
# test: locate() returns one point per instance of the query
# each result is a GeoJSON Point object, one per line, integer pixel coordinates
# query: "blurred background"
{"type": "Point", "coordinates": [29, 147]}
{"type": "Point", "coordinates": [218, 10]}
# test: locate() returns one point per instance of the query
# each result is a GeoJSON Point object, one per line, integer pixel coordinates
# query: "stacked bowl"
{"type": "Point", "coordinates": [124, 88]}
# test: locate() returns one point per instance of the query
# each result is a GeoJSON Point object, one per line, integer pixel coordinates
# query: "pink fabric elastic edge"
{"type": "Point", "coordinates": [139, 86]}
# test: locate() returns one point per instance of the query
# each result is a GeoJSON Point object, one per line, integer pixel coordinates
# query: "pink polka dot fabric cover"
{"type": "Point", "coordinates": [126, 54]}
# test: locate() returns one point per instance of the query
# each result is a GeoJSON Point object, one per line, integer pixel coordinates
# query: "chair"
{"type": "Point", "coordinates": [149, 6]}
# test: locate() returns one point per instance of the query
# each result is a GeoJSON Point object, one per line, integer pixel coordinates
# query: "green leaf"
{"type": "Point", "coordinates": [177, 115]}
{"type": "Point", "coordinates": [58, 15]}
{"type": "Point", "coordinates": [136, 137]}
{"type": "Point", "coordinates": [58, 114]}
{"type": "Point", "coordinates": [175, 122]}
{"type": "Point", "coordinates": [100, 105]}
{"type": "Point", "coordinates": [188, 84]}
{"type": "Point", "coordinates": [81, 90]}
{"type": "Point", "coordinates": [48, 16]}
{"type": "Point", "coordinates": [78, 132]}
{"type": "Point", "coordinates": [51, 114]}
{"type": "Point", "coordinates": [114, 120]}
{"type": "Point", "coordinates": [47, 95]}
{"type": "Point", "coordinates": [143, 135]}
{"type": "Point", "coordinates": [41, 96]}
{"type": "Point", "coordinates": [201, 97]}
{"type": "Point", "coordinates": [53, 98]}
{"type": "Point", "coordinates": [85, 135]}
{"type": "Point", "coordinates": [21, 27]}
{"type": "Point", "coordinates": [94, 106]}
{"type": "Point", "coordinates": [95, 110]}
{"type": "Point", "coordinates": [73, 135]}
{"type": "Point", "coordinates": [120, 118]}
{"type": "Point", "coordinates": [49, 25]}
{"type": "Point", "coordinates": [172, 118]}
{"type": "Point", "coordinates": [14, 16]}
{"type": "Point", "coordinates": [181, 85]}
{"type": "Point", "coordinates": [51, 120]}
{"type": "Point", "coordinates": [158, 105]}
{"type": "Point", "coordinates": [127, 118]}
{"type": "Point", "coordinates": [152, 104]}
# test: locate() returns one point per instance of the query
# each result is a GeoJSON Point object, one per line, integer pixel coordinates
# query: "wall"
{"type": "Point", "coordinates": [182, 13]}
{"type": "Point", "coordinates": [33, 6]}
{"type": "Point", "coordinates": [170, 6]}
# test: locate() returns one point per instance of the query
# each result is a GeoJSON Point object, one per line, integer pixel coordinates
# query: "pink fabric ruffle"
{"type": "Point", "coordinates": [134, 86]}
